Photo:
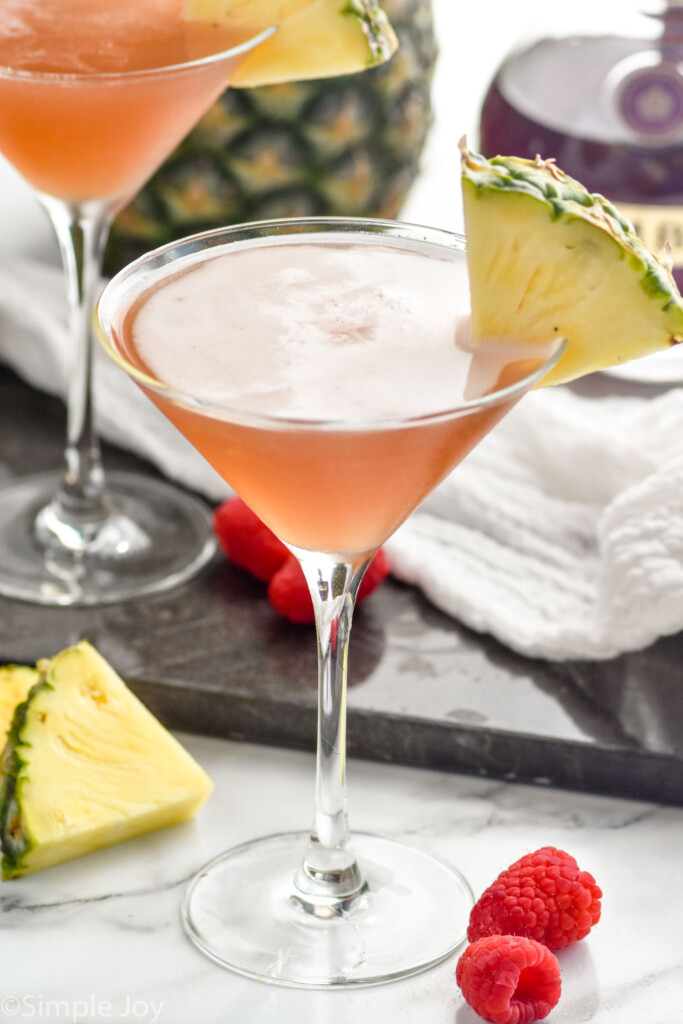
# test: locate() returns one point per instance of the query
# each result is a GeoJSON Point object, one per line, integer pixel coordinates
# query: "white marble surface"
{"type": "Point", "coordinates": [101, 939]}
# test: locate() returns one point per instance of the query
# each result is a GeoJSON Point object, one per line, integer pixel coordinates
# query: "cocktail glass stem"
{"type": "Point", "coordinates": [329, 878]}
{"type": "Point", "coordinates": [81, 506]}
{"type": "Point", "coordinates": [71, 537]}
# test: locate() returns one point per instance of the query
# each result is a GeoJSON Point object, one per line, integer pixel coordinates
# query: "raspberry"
{"type": "Point", "coordinates": [248, 542]}
{"type": "Point", "coordinates": [289, 594]}
{"type": "Point", "coordinates": [542, 896]}
{"type": "Point", "coordinates": [509, 980]}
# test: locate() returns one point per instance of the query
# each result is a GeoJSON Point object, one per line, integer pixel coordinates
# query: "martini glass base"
{"type": "Point", "coordinates": [242, 911]}
{"type": "Point", "coordinates": [155, 537]}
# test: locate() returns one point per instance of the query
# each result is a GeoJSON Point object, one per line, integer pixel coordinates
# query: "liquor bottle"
{"type": "Point", "coordinates": [606, 101]}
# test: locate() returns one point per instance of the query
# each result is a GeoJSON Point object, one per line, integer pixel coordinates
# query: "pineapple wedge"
{"type": "Point", "coordinates": [15, 683]}
{"type": "Point", "coordinates": [314, 38]}
{"type": "Point", "coordinates": [548, 259]}
{"type": "Point", "coordinates": [244, 15]}
{"type": "Point", "coordinates": [86, 765]}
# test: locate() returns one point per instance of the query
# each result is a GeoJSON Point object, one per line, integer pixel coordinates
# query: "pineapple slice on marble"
{"type": "Point", "coordinates": [548, 259]}
{"type": "Point", "coordinates": [314, 38]}
{"type": "Point", "coordinates": [86, 765]}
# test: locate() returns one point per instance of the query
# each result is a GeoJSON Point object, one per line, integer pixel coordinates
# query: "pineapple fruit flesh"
{"type": "Point", "coordinates": [547, 260]}
{"type": "Point", "coordinates": [342, 146]}
{"type": "Point", "coordinates": [244, 15]}
{"type": "Point", "coordinates": [86, 765]}
{"type": "Point", "coordinates": [314, 38]}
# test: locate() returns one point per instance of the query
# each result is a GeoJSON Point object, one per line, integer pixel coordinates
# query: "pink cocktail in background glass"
{"type": "Point", "coordinates": [93, 96]}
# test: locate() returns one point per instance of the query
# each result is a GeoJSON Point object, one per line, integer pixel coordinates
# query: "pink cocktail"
{"type": "Point", "coordinates": [322, 367]}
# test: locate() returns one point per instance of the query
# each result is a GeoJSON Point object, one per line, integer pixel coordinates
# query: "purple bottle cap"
{"type": "Point", "coordinates": [650, 102]}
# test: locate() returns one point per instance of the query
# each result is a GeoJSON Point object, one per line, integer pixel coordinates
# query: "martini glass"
{"type": "Point", "coordinates": [334, 477]}
{"type": "Point", "coordinates": [86, 135]}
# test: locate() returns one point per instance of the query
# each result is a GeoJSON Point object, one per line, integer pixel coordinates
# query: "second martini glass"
{"type": "Point", "coordinates": [313, 363]}
{"type": "Point", "coordinates": [93, 97]}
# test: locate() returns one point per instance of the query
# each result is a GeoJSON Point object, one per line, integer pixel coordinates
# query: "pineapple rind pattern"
{"type": "Point", "coordinates": [567, 198]}
{"type": "Point", "coordinates": [15, 838]}
{"type": "Point", "coordinates": [347, 146]}
{"type": "Point", "coordinates": [376, 26]}
{"type": "Point", "coordinates": [549, 260]}
{"type": "Point", "coordinates": [15, 684]}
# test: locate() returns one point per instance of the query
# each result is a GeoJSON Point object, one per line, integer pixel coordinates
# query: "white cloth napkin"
{"type": "Point", "coordinates": [561, 534]}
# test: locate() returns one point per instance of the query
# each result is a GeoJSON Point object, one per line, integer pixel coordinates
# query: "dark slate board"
{"type": "Point", "coordinates": [211, 657]}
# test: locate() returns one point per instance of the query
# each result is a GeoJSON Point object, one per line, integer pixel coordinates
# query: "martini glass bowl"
{"type": "Point", "coordinates": [325, 907]}
{"type": "Point", "coordinates": [86, 141]}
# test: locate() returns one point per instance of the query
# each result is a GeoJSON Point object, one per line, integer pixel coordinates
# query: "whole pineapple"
{"type": "Point", "coordinates": [345, 146]}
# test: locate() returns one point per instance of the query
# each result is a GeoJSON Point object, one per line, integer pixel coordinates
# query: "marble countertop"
{"type": "Point", "coordinates": [101, 939]}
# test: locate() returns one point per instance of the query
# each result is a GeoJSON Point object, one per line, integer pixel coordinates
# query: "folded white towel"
{"type": "Point", "coordinates": [561, 534]}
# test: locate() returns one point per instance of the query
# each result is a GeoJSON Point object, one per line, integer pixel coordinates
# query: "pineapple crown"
{"type": "Point", "coordinates": [566, 197]}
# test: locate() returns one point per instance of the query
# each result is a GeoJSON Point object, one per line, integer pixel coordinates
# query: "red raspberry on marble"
{"type": "Point", "coordinates": [543, 896]}
{"type": "Point", "coordinates": [289, 594]}
{"type": "Point", "coordinates": [247, 541]}
{"type": "Point", "coordinates": [507, 979]}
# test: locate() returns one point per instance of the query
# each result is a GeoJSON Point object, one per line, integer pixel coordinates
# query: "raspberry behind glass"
{"type": "Point", "coordinates": [252, 546]}
{"type": "Point", "coordinates": [248, 542]}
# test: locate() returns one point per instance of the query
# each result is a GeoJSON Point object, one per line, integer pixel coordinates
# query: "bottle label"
{"type": "Point", "coordinates": [650, 101]}
{"type": "Point", "coordinates": [656, 226]}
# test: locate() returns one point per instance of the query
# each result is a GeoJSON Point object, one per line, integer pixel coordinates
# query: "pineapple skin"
{"type": "Point", "coordinates": [346, 146]}
{"type": "Point", "coordinates": [15, 839]}
{"type": "Point", "coordinates": [15, 683]}
{"type": "Point", "coordinates": [548, 259]}
{"type": "Point", "coordinates": [118, 777]}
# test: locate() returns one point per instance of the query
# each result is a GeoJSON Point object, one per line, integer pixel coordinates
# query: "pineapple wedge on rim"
{"type": "Point", "coordinates": [86, 765]}
{"type": "Point", "coordinates": [547, 259]}
{"type": "Point", "coordinates": [314, 38]}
